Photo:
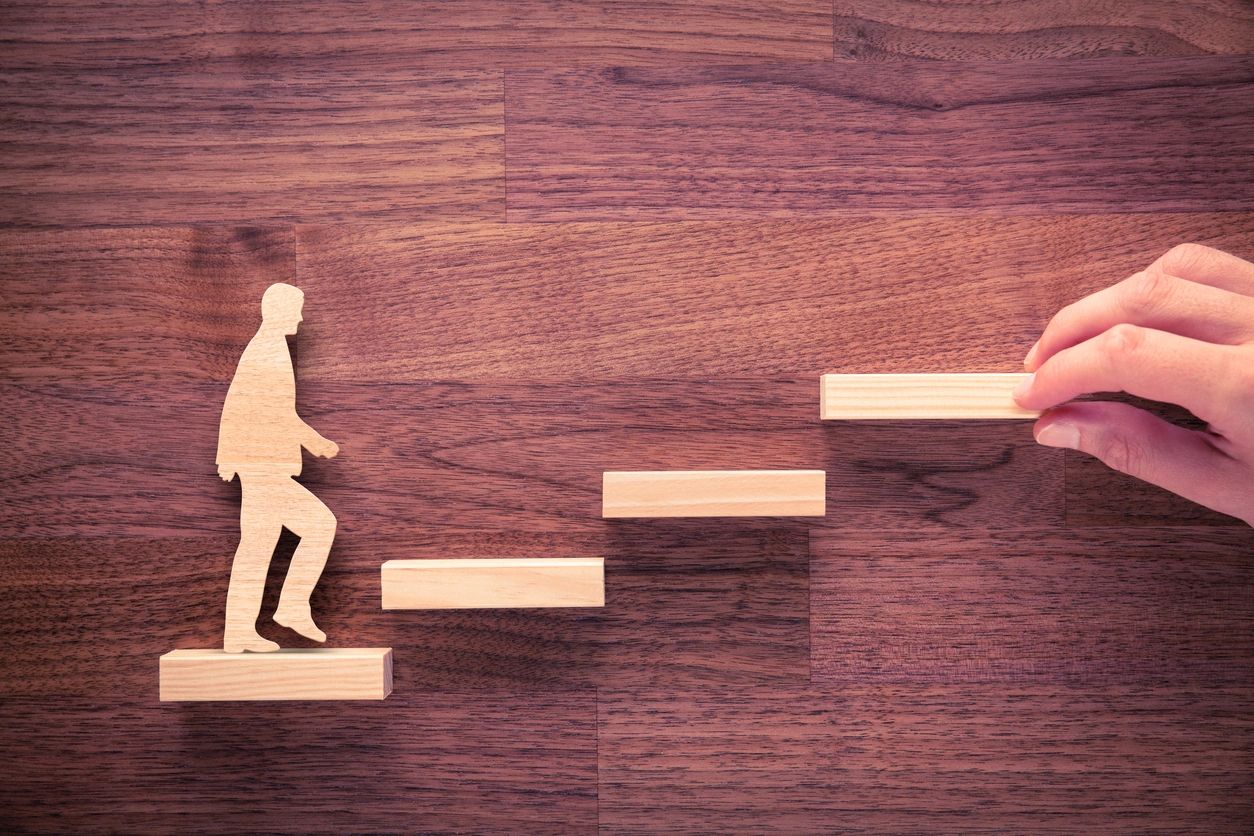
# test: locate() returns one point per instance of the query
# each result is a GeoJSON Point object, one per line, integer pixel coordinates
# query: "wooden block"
{"type": "Point", "coordinates": [335, 673]}
{"type": "Point", "coordinates": [714, 493]}
{"type": "Point", "coordinates": [852, 397]}
{"type": "Point", "coordinates": [481, 583]}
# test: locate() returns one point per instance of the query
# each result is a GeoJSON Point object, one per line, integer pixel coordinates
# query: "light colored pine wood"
{"type": "Point", "coordinates": [339, 673]}
{"type": "Point", "coordinates": [260, 440]}
{"type": "Point", "coordinates": [714, 493]}
{"type": "Point", "coordinates": [475, 583]}
{"type": "Point", "coordinates": [847, 397]}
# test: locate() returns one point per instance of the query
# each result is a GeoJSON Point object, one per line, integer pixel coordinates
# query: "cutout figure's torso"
{"type": "Point", "coordinates": [260, 430]}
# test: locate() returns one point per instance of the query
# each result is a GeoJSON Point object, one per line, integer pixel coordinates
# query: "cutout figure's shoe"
{"type": "Point", "coordinates": [301, 621]}
{"type": "Point", "coordinates": [253, 643]}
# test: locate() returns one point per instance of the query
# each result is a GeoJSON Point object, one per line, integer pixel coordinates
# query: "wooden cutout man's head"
{"type": "Point", "coordinates": [281, 307]}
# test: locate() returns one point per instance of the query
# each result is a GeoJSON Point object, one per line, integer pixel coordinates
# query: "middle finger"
{"type": "Point", "coordinates": [1150, 300]}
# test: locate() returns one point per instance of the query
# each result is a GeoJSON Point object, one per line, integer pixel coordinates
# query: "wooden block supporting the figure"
{"type": "Point", "coordinates": [851, 397]}
{"type": "Point", "coordinates": [497, 582]}
{"type": "Point", "coordinates": [331, 673]}
{"type": "Point", "coordinates": [714, 493]}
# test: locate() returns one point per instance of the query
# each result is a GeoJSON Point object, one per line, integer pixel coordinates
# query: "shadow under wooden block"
{"type": "Point", "coordinates": [912, 474]}
{"type": "Point", "coordinates": [487, 583]}
{"type": "Point", "coordinates": [1098, 497]}
{"type": "Point", "coordinates": [332, 673]}
{"type": "Point", "coordinates": [714, 493]}
{"type": "Point", "coordinates": [860, 397]}
{"type": "Point", "coordinates": [689, 603]}
{"type": "Point", "coordinates": [1115, 605]}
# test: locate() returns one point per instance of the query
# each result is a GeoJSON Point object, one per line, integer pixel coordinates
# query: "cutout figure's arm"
{"type": "Point", "coordinates": [316, 443]}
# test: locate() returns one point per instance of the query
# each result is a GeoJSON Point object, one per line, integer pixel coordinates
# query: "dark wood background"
{"type": "Point", "coordinates": [540, 240]}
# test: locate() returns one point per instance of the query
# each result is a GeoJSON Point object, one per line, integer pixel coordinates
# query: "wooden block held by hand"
{"type": "Point", "coordinates": [714, 493]}
{"type": "Point", "coordinates": [477, 583]}
{"type": "Point", "coordinates": [321, 673]}
{"type": "Point", "coordinates": [853, 397]}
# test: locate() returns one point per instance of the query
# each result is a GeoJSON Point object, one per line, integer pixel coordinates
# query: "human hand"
{"type": "Point", "coordinates": [226, 472]}
{"type": "Point", "coordinates": [1182, 332]}
{"type": "Point", "coordinates": [323, 448]}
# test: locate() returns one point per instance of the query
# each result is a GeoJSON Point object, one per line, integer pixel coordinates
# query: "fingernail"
{"type": "Point", "coordinates": [1027, 361]}
{"type": "Point", "coordinates": [1022, 389]}
{"type": "Point", "coordinates": [1060, 434]}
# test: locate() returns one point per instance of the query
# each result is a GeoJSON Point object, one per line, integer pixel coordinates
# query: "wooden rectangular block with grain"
{"type": "Point", "coordinates": [852, 397]}
{"type": "Point", "coordinates": [320, 673]}
{"type": "Point", "coordinates": [714, 493]}
{"type": "Point", "coordinates": [502, 582]}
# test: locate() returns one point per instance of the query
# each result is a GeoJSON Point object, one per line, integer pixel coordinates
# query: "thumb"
{"type": "Point", "coordinates": [1132, 441]}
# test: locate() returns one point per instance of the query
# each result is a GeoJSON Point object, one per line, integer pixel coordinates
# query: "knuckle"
{"type": "Point", "coordinates": [1068, 313]}
{"type": "Point", "coordinates": [1147, 291]}
{"type": "Point", "coordinates": [1123, 340]}
{"type": "Point", "coordinates": [1239, 372]}
{"type": "Point", "coordinates": [1184, 256]}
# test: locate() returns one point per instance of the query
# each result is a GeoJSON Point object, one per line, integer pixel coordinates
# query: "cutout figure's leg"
{"type": "Point", "coordinates": [307, 517]}
{"type": "Point", "coordinates": [259, 532]}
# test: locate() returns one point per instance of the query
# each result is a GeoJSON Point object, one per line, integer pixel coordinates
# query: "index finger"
{"type": "Point", "coordinates": [1207, 265]}
{"type": "Point", "coordinates": [1151, 300]}
{"type": "Point", "coordinates": [1140, 361]}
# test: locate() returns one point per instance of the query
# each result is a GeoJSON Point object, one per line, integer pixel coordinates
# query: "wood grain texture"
{"type": "Point", "coordinates": [493, 583]}
{"type": "Point", "coordinates": [888, 30]}
{"type": "Point", "coordinates": [131, 147]}
{"type": "Point", "coordinates": [1118, 606]}
{"type": "Point", "coordinates": [113, 461]}
{"type": "Point", "coordinates": [976, 666]}
{"type": "Point", "coordinates": [915, 758]}
{"type": "Point", "coordinates": [840, 138]}
{"type": "Point", "coordinates": [685, 605]}
{"type": "Point", "coordinates": [322, 673]}
{"type": "Point", "coordinates": [143, 306]}
{"type": "Point", "coordinates": [430, 34]}
{"type": "Point", "coordinates": [735, 299]}
{"type": "Point", "coordinates": [518, 761]}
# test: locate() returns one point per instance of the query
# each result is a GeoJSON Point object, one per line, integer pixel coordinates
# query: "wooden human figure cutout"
{"type": "Point", "coordinates": [260, 441]}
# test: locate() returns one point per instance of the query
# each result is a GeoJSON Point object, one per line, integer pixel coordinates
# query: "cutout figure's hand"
{"type": "Point", "coordinates": [226, 472]}
{"type": "Point", "coordinates": [1182, 332]}
{"type": "Point", "coordinates": [324, 448]}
